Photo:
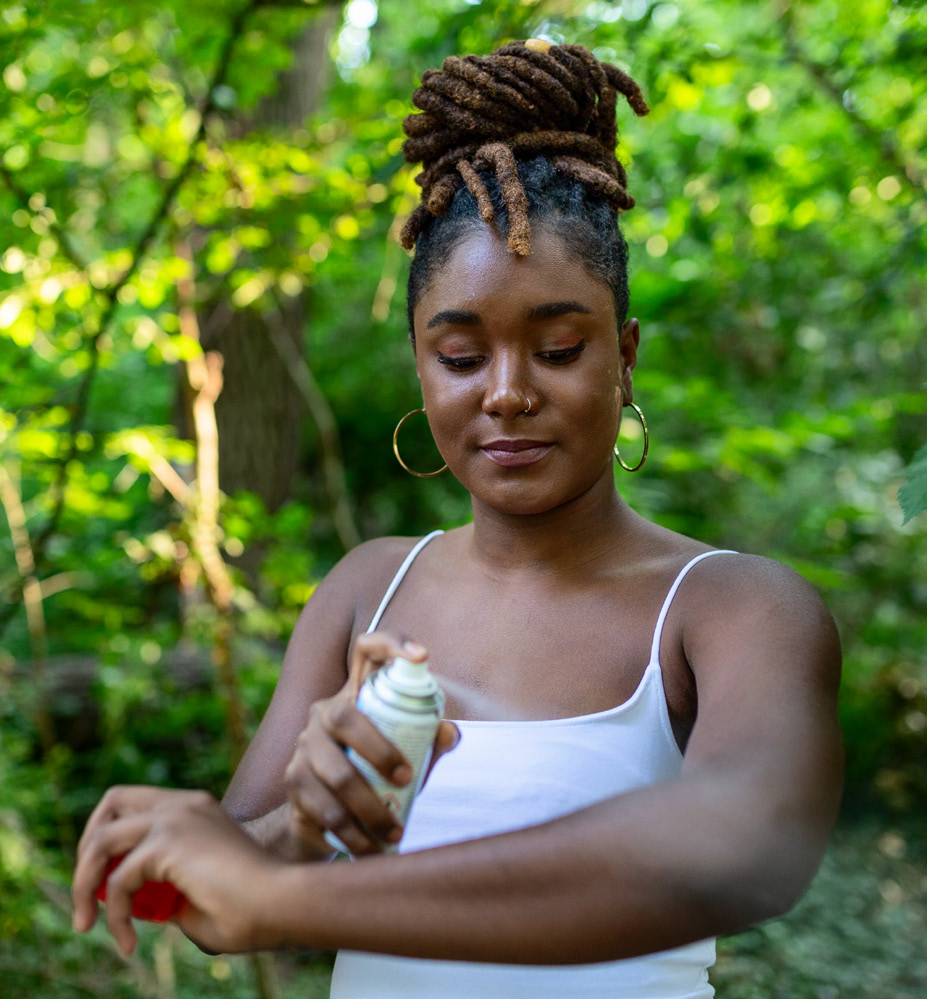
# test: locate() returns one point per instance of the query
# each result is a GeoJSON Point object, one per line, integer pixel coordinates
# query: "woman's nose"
{"type": "Point", "coordinates": [507, 392]}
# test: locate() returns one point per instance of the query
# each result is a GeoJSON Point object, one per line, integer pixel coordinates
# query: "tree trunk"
{"type": "Point", "coordinates": [260, 410]}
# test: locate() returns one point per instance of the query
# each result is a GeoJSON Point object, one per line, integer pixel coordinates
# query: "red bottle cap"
{"type": "Point", "coordinates": [155, 901]}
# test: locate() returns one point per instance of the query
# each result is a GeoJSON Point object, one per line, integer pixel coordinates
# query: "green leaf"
{"type": "Point", "coordinates": [913, 494]}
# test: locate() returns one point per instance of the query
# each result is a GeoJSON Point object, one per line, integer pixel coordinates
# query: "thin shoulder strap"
{"type": "Point", "coordinates": [658, 631]}
{"type": "Point", "coordinates": [398, 578]}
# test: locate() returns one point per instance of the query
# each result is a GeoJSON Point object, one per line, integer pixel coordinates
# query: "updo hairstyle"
{"type": "Point", "coordinates": [526, 132]}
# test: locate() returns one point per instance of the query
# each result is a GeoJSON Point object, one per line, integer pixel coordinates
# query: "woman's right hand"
{"type": "Point", "coordinates": [325, 790]}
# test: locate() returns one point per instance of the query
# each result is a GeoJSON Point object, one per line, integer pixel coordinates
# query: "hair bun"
{"type": "Point", "coordinates": [529, 98]}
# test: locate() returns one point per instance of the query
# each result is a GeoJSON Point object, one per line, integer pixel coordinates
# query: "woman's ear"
{"type": "Point", "coordinates": [628, 343]}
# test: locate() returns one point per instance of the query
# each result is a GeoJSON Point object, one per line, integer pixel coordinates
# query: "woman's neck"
{"type": "Point", "coordinates": [569, 537]}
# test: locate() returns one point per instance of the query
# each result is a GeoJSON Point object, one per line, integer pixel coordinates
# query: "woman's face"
{"type": "Point", "coordinates": [495, 332]}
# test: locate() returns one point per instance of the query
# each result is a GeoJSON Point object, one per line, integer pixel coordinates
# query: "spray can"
{"type": "Point", "coordinates": [405, 703]}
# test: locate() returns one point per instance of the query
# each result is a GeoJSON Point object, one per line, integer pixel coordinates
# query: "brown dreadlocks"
{"type": "Point", "coordinates": [479, 112]}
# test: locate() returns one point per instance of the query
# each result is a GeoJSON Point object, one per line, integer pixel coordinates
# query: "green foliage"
{"type": "Point", "coordinates": [778, 270]}
{"type": "Point", "coordinates": [913, 494]}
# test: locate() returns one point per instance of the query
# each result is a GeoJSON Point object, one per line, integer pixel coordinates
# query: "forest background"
{"type": "Point", "coordinates": [203, 354]}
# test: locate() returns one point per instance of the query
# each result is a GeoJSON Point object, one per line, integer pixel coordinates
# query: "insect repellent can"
{"type": "Point", "coordinates": [405, 703]}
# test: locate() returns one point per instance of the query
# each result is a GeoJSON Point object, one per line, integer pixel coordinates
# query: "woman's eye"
{"type": "Point", "coordinates": [564, 355]}
{"type": "Point", "coordinates": [458, 363]}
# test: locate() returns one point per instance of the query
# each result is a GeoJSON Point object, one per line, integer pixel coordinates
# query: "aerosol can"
{"type": "Point", "coordinates": [405, 703]}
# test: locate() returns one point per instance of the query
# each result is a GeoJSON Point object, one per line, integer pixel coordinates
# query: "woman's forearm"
{"type": "Point", "coordinates": [650, 870]}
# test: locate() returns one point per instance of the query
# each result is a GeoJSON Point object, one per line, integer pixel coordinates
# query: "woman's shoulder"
{"type": "Point", "coordinates": [749, 578]}
{"type": "Point", "coordinates": [739, 584]}
{"type": "Point", "coordinates": [749, 601]}
{"type": "Point", "coordinates": [364, 574]}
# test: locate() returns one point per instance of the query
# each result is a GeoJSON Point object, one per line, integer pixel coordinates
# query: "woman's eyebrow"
{"type": "Point", "coordinates": [550, 310]}
{"type": "Point", "coordinates": [453, 317]}
{"type": "Point", "coordinates": [461, 317]}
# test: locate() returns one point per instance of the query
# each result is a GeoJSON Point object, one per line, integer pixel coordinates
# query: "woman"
{"type": "Point", "coordinates": [649, 751]}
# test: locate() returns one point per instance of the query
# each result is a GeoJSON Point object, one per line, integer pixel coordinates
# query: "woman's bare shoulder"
{"type": "Point", "coordinates": [737, 598]}
{"type": "Point", "coordinates": [363, 575]}
{"type": "Point", "coordinates": [730, 574]}
{"type": "Point", "coordinates": [753, 578]}
{"type": "Point", "coordinates": [750, 601]}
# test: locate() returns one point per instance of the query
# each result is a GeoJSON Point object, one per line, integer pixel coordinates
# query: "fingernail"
{"type": "Point", "coordinates": [414, 648]}
{"type": "Point", "coordinates": [394, 835]}
{"type": "Point", "coordinates": [402, 774]}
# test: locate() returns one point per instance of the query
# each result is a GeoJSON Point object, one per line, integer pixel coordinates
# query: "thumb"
{"type": "Point", "coordinates": [447, 739]}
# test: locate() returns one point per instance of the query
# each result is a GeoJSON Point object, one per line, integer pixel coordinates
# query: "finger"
{"type": "Point", "coordinates": [345, 725]}
{"type": "Point", "coordinates": [325, 787]}
{"type": "Point", "coordinates": [447, 739]}
{"type": "Point", "coordinates": [324, 812]}
{"type": "Point", "coordinates": [123, 883]}
{"type": "Point", "coordinates": [105, 843]}
{"type": "Point", "coordinates": [333, 769]}
{"type": "Point", "coordinates": [374, 650]}
{"type": "Point", "coordinates": [118, 801]}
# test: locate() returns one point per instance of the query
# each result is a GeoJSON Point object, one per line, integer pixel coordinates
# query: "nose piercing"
{"type": "Point", "coordinates": [527, 409]}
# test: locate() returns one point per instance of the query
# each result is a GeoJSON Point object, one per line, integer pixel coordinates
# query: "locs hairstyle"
{"type": "Point", "coordinates": [527, 132]}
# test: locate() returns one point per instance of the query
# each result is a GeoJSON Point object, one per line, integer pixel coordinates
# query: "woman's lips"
{"type": "Point", "coordinates": [514, 454]}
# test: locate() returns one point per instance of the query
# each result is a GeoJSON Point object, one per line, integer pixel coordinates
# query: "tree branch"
{"type": "Point", "coordinates": [64, 241]}
{"type": "Point", "coordinates": [147, 237]}
{"type": "Point", "coordinates": [204, 374]}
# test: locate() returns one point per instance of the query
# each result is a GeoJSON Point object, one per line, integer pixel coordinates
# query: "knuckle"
{"type": "Point", "coordinates": [340, 713]}
{"type": "Point", "coordinates": [376, 645]}
{"type": "Point", "coordinates": [298, 779]}
{"type": "Point", "coordinates": [333, 816]}
{"type": "Point", "coordinates": [341, 779]}
{"type": "Point", "coordinates": [110, 799]}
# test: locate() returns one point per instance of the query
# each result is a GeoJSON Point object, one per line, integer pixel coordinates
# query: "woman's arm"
{"type": "Point", "coordinates": [315, 668]}
{"type": "Point", "coordinates": [732, 841]}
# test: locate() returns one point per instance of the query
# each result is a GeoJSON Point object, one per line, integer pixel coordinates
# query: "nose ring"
{"type": "Point", "coordinates": [527, 409]}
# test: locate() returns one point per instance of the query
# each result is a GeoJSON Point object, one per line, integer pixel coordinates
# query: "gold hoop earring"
{"type": "Point", "coordinates": [640, 416]}
{"type": "Point", "coordinates": [411, 471]}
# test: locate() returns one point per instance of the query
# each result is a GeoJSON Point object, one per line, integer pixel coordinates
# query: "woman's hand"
{"type": "Point", "coordinates": [326, 792]}
{"type": "Point", "coordinates": [187, 839]}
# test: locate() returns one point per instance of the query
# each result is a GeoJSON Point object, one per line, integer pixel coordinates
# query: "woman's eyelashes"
{"type": "Point", "coordinates": [458, 363]}
{"type": "Point", "coordinates": [562, 355]}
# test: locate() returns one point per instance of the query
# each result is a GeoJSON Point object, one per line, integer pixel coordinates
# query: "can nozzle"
{"type": "Point", "coordinates": [409, 675]}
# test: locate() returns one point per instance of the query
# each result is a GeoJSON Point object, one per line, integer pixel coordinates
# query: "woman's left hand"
{"type": "Point", "coordinates": [187, 839]}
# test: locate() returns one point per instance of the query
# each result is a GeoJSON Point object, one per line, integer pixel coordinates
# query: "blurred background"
{"type": "Point", "coordinates": [203, 354]}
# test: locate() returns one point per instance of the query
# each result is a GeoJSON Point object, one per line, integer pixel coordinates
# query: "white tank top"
{"type": "Point", "coordinates": [506, 775]}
